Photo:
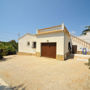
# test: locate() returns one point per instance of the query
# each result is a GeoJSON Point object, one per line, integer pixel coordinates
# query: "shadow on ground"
{"type": "Point", "coordinates": [70, 57]}
{"type": "Point", "coordinates": [21, 87]}
{"type": "Point", "coordinates": [6, 58]}
{"type": "Point", "coordinates": [88, 64]}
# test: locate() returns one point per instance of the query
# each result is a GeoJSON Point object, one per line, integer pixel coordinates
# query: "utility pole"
{"type": "Point", "coordinates": [18, 35]}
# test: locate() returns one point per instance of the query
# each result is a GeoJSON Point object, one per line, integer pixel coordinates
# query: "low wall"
{"type": "Point", "coordinates": [80, 56]}
{"type": "Point", "coordinates": [80, 52]}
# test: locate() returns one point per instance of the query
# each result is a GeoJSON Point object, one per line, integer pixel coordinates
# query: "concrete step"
{"type": "Point", "coordinates": [78, 59]}
{"type": "Point", "coordinates": [81, 57]}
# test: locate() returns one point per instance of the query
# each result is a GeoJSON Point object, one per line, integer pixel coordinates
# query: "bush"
{"type": "Point", "coordinates": [1, 56]}
{"type": "Point", "coordinates": [11, 50]}
{"type": "Point", "coordinates": [8, 48]}
{"type": "Point", "coordinates": [89, 63]}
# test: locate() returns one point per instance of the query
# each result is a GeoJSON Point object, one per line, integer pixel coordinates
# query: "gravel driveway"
{"type": "Point", "coordinates": [39, 73]}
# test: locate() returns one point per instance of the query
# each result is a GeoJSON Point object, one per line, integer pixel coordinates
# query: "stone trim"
{"type": "Point", "coordinates": [24, 53]}
{"type": "Point", "coordinates": [80, 52]}
{"type": "Point", "coordinates": [66, 55]}
{"type": "Point", "coordinates": [88, 53]}
{"type": "Point", "coordinates": [38, 54]}
{"type": "Point", "coordinates": [60, 57]}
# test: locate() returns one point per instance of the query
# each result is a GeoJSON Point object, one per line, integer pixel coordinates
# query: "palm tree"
{"type": "Point", "coordinates": [86, 30]}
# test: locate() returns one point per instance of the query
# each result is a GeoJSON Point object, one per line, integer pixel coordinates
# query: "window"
{"type": "Point", "coordinates": [34, 45]}
{"type": "Point", "coordinates": [28, 43]}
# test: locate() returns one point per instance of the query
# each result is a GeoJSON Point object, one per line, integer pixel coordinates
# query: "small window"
{"type": "Point", "coordinates": [28, 43]}
{"type": "Point", "coordinates": [34, 45]}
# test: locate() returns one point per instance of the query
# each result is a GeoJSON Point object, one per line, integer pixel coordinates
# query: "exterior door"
{"type": "Point", "coordinates": [74, 49]}
{"type": "Point", "coordinates": [48, 50]}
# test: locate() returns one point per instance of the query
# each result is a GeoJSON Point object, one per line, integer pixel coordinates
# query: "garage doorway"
{"type": "Point", "coordinates": [48, 50]}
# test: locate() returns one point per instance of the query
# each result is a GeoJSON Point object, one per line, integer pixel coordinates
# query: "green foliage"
{"type": "Point", "coordinates": [86, 30]}
{"type": "Point", "coordinates": [88, 27]}
{"type": "Point", "coordinates": [8, 48]}
{"type": "Point", "coordinates": [1, 56]}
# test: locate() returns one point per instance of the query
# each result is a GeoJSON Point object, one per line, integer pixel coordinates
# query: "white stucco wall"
{"type": "Point", "coordinates": [55, 37]}
{"type": "Point", "coordinates": [85, 37]}
{"type": "Point", "coordinates": [80, 46]}
{"type": "Point", "coordinates": [58, 38]}
{"type": "Point", "coordinates": [23, 47]}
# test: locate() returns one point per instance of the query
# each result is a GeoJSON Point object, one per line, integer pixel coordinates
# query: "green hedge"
{"type": "Point", "coordinates": [8, 48]}
{"type": "Point", "coordinates": [1, 56]}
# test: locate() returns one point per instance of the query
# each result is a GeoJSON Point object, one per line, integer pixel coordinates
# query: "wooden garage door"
{"type": "Point", "coordinates": [48, 50]}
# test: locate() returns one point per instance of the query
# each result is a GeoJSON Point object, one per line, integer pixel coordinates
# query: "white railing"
{"type": "Point", "coordinates": [78, 40]}
{"type": "Point", "coordinates": [59, 27]}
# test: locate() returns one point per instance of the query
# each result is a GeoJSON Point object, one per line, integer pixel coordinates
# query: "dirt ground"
{"type": "Point", "coordinates": [39, 73]}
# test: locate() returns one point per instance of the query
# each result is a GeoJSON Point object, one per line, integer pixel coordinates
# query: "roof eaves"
{"type": "Point", "coordinates": [25, 35]}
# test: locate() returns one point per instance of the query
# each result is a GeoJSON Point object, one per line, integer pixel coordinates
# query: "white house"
{"type": "Point", "coordinates": [53, 42]}
{"type": "Point", "coordinates": [82, 42]}
{"type": "Point", "coordinates": [85, 37]}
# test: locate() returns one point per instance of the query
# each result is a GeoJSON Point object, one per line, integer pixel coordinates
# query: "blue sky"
{"type": "Point", "coordinates": [25, 16]}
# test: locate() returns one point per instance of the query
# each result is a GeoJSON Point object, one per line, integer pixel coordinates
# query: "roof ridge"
{"type": "Point", "coordinates": [25, 35]}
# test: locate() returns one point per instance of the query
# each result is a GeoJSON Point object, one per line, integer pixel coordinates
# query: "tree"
{"type": "Point", "coordinates": [86, 30]}
{"type": "Point", "coordinates": [88, 27]}
{"type": "Point", "coordinates": [8, 48]}
{"type": "Point", "coordinates": [14, 44]}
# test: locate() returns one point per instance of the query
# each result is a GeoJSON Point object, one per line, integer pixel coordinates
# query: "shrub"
{"type": "Point", "coordinates": [89, 63]}
{"type": "Point", "coordinates": [1, 56]}
{"type": "Point", "coordinates": [11, 50]}
{"type": "Point", "coordinates": [8, 48]}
